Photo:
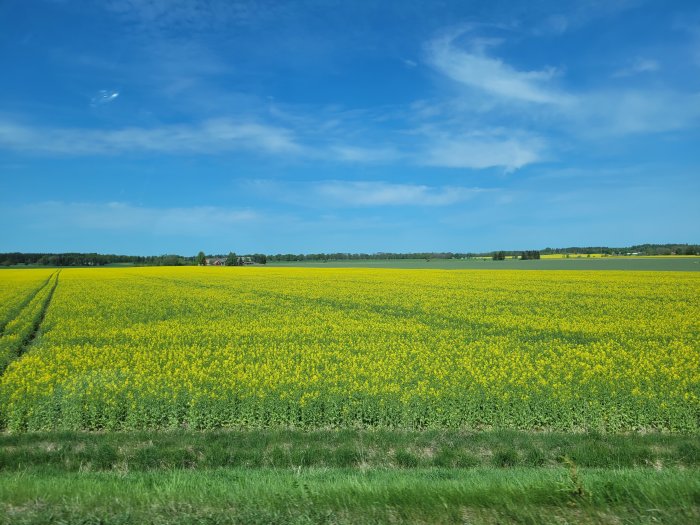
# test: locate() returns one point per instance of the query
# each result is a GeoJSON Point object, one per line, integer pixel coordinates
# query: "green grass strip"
{"type": "Point", "coordinates": [352, 496]}
{"type": "Point", "coordinates": [366, 449]}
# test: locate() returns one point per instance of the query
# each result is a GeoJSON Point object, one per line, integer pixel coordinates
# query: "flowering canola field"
{"type": "Point", "coordinates": [131, 348]}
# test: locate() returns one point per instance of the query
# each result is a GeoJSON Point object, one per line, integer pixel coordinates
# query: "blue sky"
{"type": "Point", "coordinates": [154, 126]}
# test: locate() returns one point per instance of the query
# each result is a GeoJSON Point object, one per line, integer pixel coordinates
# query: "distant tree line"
{"type": "Point", "coordinates": [527, 255]}
{"type": "Point", "coordinates": [91, 259]}
{"type": "Point", "coordinates": [641, 249]}
{"type": "Point", "coordinates": [97, 259]}
{"type": "Point", "coordinates": [289, 257]}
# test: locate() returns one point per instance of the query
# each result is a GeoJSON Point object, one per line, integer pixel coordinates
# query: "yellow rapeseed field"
{"type": "Point", "coordinates": [250, 347]}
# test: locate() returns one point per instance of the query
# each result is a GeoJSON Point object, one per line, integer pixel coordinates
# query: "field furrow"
{"type": "Point", "coordinates": [20, 331]}
{"type": "Point", "coordinates": [17, 289]}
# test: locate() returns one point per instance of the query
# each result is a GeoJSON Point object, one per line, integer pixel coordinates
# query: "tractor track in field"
{"type": "Point", "coordinates": [20, 308]}
{"type": "Point", "coordinates": [15, 351]}
{"type": "Point", "coordinates": [37, 325]}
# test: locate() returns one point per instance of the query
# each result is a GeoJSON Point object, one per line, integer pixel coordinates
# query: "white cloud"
{"type": "Point", "coordinates": [635, 111]}
{"type": "Point", "coordinates": [103, 97]}
{"type": "Point", "coordinates": [225, 135]}
{"type": "Point", "coordinates": [640, 65]}
{"type": "Point", "coordinates": [124, 217]}
{"type": "Point", "coordinates": [362, 193]}
{"type": "Point", "coordinates": [364, 155]}
{"type": "Point", "coordinates": [478, 152]}
{"type": "Point", "coordinates": [212, 136]}
{"type": "Point", "coordinates": [478, 71]}
{"type": "Point", "coordinates": [347, 193]}
{"type": "Point", "coordinates": [601, 112]}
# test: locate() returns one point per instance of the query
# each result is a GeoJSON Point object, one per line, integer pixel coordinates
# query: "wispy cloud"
{"type": "Point", "coordinates": [212, 136]}
{"type": "Point", "coordinates": [532, 99]}
{"type": "Point", "coordinates": [540, 20]}
{"type": "Point", "coordinates": [553, 24]}
{"type": "Point", "coordinates": [377, 155]}
{"type": "Point", "coordinates": [640, 65]}
{"type": "Point", "coordinates": [449, 131]}
{"type": "Point", "coordinates": [124, 217]}
{"type": "Point", "coordinates": [626, 112]}
{"type": "Point", "coordinates": [425, 148]}
{"type": "Point", "coordinates": [361, 193]}
{"type": "Point", "coordinates": [482, 151]}
{"type": "Point", "coordinates": [475, 69]}
{"type": "Point", "coordinates": [104, 96]}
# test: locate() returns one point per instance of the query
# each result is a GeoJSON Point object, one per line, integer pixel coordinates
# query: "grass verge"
{"type": "Point", "coordinates": [140, 451]}
{"type": "Point", "coordinates": [346, 476]}
{"type": "Point", "coordinates": [522, 495]}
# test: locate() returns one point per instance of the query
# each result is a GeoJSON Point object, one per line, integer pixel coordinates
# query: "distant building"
{"type": "Point", "coordinates": [221, 261]}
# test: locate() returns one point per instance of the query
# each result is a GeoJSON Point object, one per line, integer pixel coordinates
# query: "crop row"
{"type": "Point", "coordinates": [17, 287]}
{"type": "Point", "coordinates": [18, 331]}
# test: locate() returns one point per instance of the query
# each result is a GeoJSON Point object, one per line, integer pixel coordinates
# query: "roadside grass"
{"type": "Point", "coordinates": [323, 495]}
{"type": "Point", "coordinates": [348, 477]}
{"type": "Point", "coordinates": [367, 449]}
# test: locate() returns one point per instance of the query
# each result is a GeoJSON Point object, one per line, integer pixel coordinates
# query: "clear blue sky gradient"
{"type": "Point", "coordinates": [158, 126]}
